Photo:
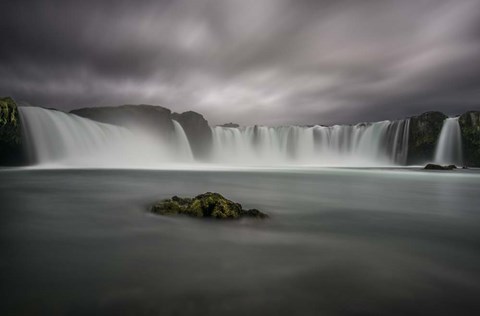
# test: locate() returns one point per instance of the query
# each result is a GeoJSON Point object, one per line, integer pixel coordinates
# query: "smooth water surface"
{"type": "Point", "coordinates": [339, 242]}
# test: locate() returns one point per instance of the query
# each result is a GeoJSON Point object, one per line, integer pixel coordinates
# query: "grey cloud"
{"type": "Point", "coordinates": [266, 62]}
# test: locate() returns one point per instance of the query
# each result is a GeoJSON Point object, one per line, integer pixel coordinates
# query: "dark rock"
{"type": "Point", "coordinates": [256, 136]}
{"type": "Point", "coordinates": [152, 118]}
{"type": "Point", "coordinates": [11, 148]}
{"type": "Point", "coordinates": [255, 213]}
{"type": "Point", "coordinates": [157, 119]}
{"type": "Point", "coordinates": [432, 166]}
{"type": "Point", "coordinates": [423, 136]}
{"type": "Point", "coordinates": [470, 129]}
{"type": "Point", "coordinates": [211, 205]}
{"type": "Point", "coordinates": [232, 125]}
{"type": "Point", "coordinates": [198, 132]}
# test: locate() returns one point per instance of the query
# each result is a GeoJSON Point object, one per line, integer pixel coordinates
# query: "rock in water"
{"type": "Point", "coordinates": [432, 166]}
{"type": "Point", "coordinates": [212, 205]}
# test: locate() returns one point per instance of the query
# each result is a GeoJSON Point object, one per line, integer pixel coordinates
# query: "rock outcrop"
{"type": "Point", "coordinates": [432, 166]}
{"type": "Point", "coordinates": [150, 117]}
{"type": "Point", "coordinates": [157, 119]}
{"type": "Point", "coordinates": [198, 132]}
{"type": "Point", "coordinates": [11, 149]}
{"type": "Point", "coordinates": [470, 129]}
{"type": "Point", "coordinates": [423, 136]}
{"type": "Point", "coordinates": [207, 205]}
{"type": "Point", "coordinates": [232, 125]}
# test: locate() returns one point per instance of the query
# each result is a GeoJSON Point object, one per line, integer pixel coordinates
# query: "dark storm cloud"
{"type": "Point", "coordinates": [251, 61]}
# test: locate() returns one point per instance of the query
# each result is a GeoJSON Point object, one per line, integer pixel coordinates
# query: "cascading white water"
{"type": "Point", "coordinates": [374, 144]}
{"type": "Point", "coordinates": [449, 146]}
{"type": "Point", "coordinates": [184, 152]}
{"type": "Point", "coordinates": [58, 138]}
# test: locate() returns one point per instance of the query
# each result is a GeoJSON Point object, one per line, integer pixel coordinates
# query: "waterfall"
{"type": "Point", "coordinates": [368, 144]}
{"type": "Point", "coordinates": [58, 138]}
{"type": "Point", "coordinates": [184, 151]}
{"type": "Point", "coordinates": [449, 146]}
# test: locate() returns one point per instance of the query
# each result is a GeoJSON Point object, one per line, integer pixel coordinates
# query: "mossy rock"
{"type": "Point", "coordinates": [11, 150]}
{"type": "Point", "coordinates": [470, 129]}
{"type": "Point", "coordinates": [207, 205]}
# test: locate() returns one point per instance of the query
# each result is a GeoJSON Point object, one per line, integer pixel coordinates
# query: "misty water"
{"type": "Point", "coordinates": [68, 140]}
{"type": "Point", "coordinates": [449, 145]}
{"type": "Point", "coordinates": [339, 242]}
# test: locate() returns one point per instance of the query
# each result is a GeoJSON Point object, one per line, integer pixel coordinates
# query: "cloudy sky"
{"type": "Point", "coordinates": [248, 61]}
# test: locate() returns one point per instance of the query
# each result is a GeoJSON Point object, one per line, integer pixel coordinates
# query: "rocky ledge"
{"type": "Point", "coordinates": [11, 150]}
{"type": "Point", "coordinates": [208, 205]}
{"type": "Point", "coordinates": [231, 125]}
{"type": "Point", "coordinates": [432, 166]}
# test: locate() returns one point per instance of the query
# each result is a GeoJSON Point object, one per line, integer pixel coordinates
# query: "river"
{"type": "Point", "coordinates": [338, 242]}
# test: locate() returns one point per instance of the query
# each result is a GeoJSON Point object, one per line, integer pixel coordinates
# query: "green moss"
{"type": "Point", "coordinates": [168, 207]}
{"type": "Point", "coordinates": [255, 213]}
{"type": "Point", "coordinates": [10, 133]}
{"type": "Point", "coordinates": [172, 206]}
{"type": "Point", "coordinates": [8, 112]}
{"type": "Point", "coordinates": [195, 209]}
{"type": "Point", "coordinates": [212, 205]}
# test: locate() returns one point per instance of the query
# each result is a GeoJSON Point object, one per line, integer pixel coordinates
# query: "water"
{"type": "Point", "coordinates": [183, 150]}
{"type": "Point", "coordinates": [449, 147]}
{"type": "Point", "coordinates": [339, 242]}
{"type": "Point", "coordinates": [62, 139]}
{"type": "Point", "coordinates": [374, 144]}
